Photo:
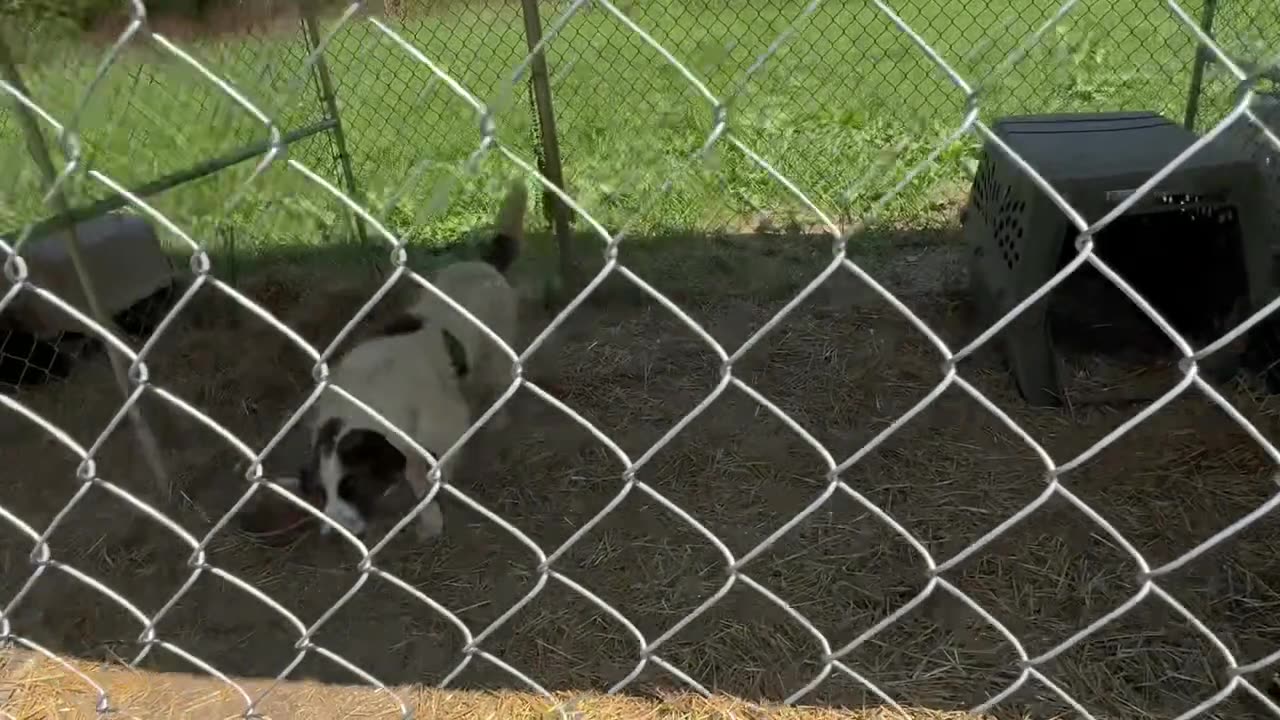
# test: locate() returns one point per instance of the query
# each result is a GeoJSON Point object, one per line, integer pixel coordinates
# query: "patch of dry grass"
{"type": "Point", "coordinates": [844, 366]}
{"type": "Point", "coordinates": [33, 686]}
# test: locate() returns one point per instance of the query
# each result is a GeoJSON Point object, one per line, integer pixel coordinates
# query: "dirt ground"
{"type": "Point", "coordinates": [844, 366]}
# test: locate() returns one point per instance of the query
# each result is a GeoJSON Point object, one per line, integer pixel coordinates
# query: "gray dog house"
{"type": "Point", "coordinates": [1018, 237]}
{"type": "Point", "coordinates": [128, 267]}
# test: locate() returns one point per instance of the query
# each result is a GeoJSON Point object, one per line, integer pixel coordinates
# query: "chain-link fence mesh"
{"type": "Point", "coordinates": [856, 84]}
{"type": "Point", "coordinates": [709, 599]}
{"type": "Point", "coordinates": [152, 117]}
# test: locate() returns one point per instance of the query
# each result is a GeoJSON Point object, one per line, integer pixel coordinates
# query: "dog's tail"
{"type": "Point", "coordinates": [509, 228]}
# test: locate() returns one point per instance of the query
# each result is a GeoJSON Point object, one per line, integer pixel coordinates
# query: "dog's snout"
{"type": "Point", "coordinates": [344, 514]}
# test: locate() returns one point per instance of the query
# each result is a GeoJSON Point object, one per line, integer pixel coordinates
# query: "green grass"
{"type": "Point", "coordinates": [844, 109]}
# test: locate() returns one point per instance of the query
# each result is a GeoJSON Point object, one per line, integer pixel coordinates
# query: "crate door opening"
{"type": "Point", "coordinates": [1185, 258]}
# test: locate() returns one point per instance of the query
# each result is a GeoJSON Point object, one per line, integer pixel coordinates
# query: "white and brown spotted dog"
{"type": "Point", "coordinates": [428, 372]}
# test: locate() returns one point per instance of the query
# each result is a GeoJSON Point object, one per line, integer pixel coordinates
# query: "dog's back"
{"type": "Point", "coordinates": [483, 291]}
{"type": "Point", "coordinates": [402, 377]}
{"type": "Point", "coordinates": [481, 286]}
{"type": "Point", "coordinates": [409, 366]}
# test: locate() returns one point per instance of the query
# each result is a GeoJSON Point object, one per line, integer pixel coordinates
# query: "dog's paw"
{"type": "Point", "coordinates": [430, 522]}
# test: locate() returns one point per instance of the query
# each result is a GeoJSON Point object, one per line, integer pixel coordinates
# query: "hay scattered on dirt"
{"type": "Point", "coordinates": [844, 366]}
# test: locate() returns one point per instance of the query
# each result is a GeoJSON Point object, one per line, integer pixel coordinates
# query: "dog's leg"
{"type": "Point", "coordinates": [430, 520]}
{"type": "Point", "coordinates": [494, 381]}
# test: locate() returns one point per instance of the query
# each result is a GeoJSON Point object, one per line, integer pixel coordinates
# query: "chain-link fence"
{"type": "Point", "coordinates": [855, 87]}
{"type": "Point", "coordinates": [141, 124]}
{"type": "Point", "coordinates": [758, 468]}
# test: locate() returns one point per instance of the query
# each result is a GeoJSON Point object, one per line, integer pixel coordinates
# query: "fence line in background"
{"type": "Point", "coordinates": [482, 54]}
{"type": "Point", "coordinates": [722, 136]}
{"type": "Point", "coordinates": [330, 100]}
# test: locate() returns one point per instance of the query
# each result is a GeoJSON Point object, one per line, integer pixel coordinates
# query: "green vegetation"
{"type": "Point", "coordinates": [85, 13]}
{"type": "Point", "coordinates": [844, 109]}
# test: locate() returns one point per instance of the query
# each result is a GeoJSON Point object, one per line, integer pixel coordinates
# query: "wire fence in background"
{"type": "Point", "coordinates": [852, 89]}
{"type": "Point", "coordinates": [141, 125]}
{"type": "Point", "coordinates": [489, 142]}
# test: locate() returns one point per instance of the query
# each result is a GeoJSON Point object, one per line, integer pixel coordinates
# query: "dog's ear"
{"type": "Point", "coordinates": [327, 436]}
{"type": "Point", "coordinates": [372, 453]}
{"type": "Point", "coordinates": [372, 464]}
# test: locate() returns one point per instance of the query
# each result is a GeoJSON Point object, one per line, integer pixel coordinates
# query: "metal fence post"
{"type": "Point", "coordinates": [329, 99]}
{"type": "Point", "coordinates": [1197, 68]}
{"type": "Point", "coordinates": [550, 143]}
{"type": "Point", "coordinates": [40, 155]}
